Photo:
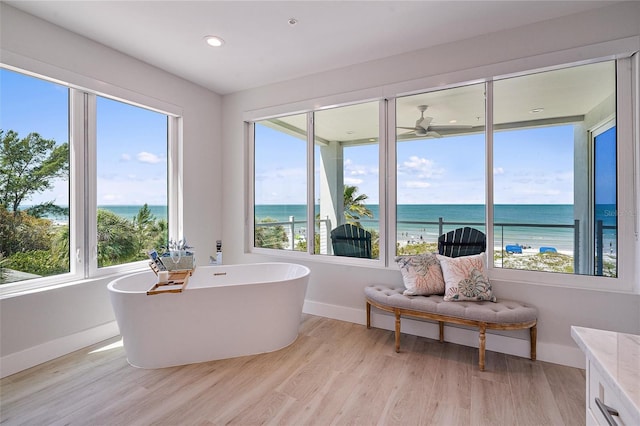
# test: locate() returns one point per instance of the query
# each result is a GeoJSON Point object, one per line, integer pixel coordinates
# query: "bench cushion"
{"type": "Point", "coordinates": [500, 312]}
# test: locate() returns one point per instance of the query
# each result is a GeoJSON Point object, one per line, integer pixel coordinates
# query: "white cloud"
{"type": "Point", "coordinates": [352, 181]}
{"type": "Point", "coordinates": [125, 157]}
{"type": "Point", "coordinates": [124, 190]}
{"type": "Point", "coordinates": [147, 157]}
{"type": "Point", "coordinates": [420, 167]}
{"type": "Point", "coordinates": [350, 168]}
{"type": "Point", "coordinates": [498, 171]}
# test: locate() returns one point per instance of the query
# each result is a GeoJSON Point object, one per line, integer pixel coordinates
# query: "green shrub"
{"type": "Point", "coordinates": [39, 262]}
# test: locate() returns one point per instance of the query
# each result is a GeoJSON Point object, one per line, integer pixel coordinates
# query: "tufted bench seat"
{"type": "Point", "coordinates": [501, 315]}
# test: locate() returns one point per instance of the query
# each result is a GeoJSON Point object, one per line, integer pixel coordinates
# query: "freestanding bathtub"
{"type": "Point", "coordinates": [224, 312]}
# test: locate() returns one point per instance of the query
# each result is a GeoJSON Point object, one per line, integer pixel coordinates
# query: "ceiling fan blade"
{"type": "Point", "coordinates": [421, 131]}
{"type": "Point", "coordinates": [432, 134]}
{"type": "Point", "coordinates": [445, 127]}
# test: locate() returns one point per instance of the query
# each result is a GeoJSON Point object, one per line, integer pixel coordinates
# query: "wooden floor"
{"type": "Point", "coordinates": [335, 373]}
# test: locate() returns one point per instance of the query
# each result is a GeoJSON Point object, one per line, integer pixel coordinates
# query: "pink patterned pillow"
{"type": "Point", "coordinates": [421, 274]}
{"type": "Point", "coordinates": [465, 278]}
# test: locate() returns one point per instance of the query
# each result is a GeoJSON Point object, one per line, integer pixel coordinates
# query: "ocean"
{"type": "Point", "coordinates": [129, 212]}
{"type": "Point", "coordinates": [160, 212]}
{"type": "Point", "coordinates": [419, 222]}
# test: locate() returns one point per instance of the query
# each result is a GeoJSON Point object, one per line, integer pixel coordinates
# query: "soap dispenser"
{"type": "Point", "coordinates": [219, 252]}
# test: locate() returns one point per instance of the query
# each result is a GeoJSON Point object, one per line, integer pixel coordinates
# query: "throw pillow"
{"type": "Point", "coordinates": [421, 274]}
{"type": "Point", "coordinates": [465, 278]}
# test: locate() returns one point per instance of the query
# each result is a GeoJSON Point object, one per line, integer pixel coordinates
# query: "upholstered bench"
{"type": "Point", "coordinates": [501, 315]}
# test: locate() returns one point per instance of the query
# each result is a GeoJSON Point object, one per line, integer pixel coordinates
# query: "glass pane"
{"type": "Point", "coordinates": [132, 182]}
{"type": "Point", "coordinates": [280, 180]}
{"type": "Point", "coordinates": [347, 181]}
{"type": "Point", "coordinates": [34, 178]}
{"type": "Point", "coordinates": [606, 205]}
{"type": "Point", "coordinates": [440, 166]}
{"type": "Point", "coordinates": [543, 212]}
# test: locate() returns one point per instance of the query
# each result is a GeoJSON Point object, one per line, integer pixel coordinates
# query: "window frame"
{"type": "Point", "coordinates": [83, 91]}
{"type": "Point", "coordinates": [626, 78]}
{"type": "Point", "coordinates": [249, 123]}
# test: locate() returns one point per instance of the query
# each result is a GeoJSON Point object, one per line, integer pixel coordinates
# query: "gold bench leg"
{"type": "Point", "coordinates": [368, 314]}
{"type": "Point", "coordinates": [397, 330]}
{"type": "Point", "coordinates": [483, 339]}
{"type": "Point", "coordinates": [534, 336]}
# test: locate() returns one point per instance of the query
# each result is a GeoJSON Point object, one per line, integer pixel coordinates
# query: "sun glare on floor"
{"type": "Point", "coordinates": [110, 346]}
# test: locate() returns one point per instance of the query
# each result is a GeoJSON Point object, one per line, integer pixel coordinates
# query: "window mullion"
{"type": "Point", "coordinates": [311, 203]}
{"type": "Point", "coordinates": [388, 189]}
{"type": "Point", "coordinates": [77, 187]}
{"type": "Point", "coordinates": [488, 99]}
{"type": "Point", "coordinates": [90, 182]}
{"type": "Point", "coordinates": [174, 185]}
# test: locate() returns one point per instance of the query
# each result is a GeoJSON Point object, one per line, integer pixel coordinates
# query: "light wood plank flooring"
{"type": "Point", "coordinates": [335, 373]}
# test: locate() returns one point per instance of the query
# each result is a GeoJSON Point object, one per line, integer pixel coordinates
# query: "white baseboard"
{"type": "Point", "coordinates": [357, 316]}
{"type": "Point", "coordinates": [18, 361]}
{"type": "Point", "coordinates": [548, 352]}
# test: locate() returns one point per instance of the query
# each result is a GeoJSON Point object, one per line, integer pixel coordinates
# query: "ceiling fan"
{"type": "Point", "coordinates": [423, 126]}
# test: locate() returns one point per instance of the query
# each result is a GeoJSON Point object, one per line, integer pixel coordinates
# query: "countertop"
{"type": "Point", "coordinates": [617, 355]}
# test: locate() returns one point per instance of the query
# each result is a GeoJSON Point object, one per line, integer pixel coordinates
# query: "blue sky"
{"type": "Point", "coordinates": [533, 166]}
{"type": "Point", "coordinates": [132, 142]}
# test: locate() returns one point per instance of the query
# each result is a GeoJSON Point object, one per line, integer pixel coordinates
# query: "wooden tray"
{"type": "Point", "coordinates": [176, 283]}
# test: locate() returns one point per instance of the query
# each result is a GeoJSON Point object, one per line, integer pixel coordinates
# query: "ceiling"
{"type": "Point", "coordinates": [262, 47]}
{"type": "Point", "coordinates": [548, 98]}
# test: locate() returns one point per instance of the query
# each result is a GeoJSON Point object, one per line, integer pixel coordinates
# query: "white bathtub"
{"type": "Point", "coordinates": [224, 312]}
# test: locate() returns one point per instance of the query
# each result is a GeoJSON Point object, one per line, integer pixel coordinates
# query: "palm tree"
{"type": "Point", "coordinates": [354, 207]}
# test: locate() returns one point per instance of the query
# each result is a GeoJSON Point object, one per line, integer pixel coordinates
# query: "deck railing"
{"type": "Point", "coordinates": [323, 228]}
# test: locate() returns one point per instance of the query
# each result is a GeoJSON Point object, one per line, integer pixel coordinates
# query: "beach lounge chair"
{"type": "Point", "coordinates": [462, 242]}
{"type": "Point", "coordinates": [350, 240]}
{"type": "Point", "coordinates": [514, 248]}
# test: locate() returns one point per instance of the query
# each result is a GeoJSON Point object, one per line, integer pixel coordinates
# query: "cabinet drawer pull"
{"type": "Point", "coordinates": [608, 412]}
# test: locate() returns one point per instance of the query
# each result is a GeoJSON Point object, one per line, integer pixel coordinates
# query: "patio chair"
{"type": "Point", "coordinates": [350, 240]}
{"type": "Point", "coordinates": [462, 242]}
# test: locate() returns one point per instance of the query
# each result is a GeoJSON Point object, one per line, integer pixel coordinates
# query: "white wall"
{"type": "Point", "coordinates": [45, 324]}
{"type": "Point", "coordinates": [41, 325]}
{"type": "Point", "coordinates": [337, 290]}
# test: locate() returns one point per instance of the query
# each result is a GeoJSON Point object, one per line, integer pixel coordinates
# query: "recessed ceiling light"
{"type": "Point", "coordinates": [536, 110]}
{"type": "Point", "coordinates": [453, 121]}
{"type": "Point", "coordinates": [214, 41]}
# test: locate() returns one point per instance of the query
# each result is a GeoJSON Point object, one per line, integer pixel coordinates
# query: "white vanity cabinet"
{"type": "Point", "coordinates": [613, 376]}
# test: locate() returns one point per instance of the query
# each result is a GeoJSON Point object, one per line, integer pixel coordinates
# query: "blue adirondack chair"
{"type": "Point", "coordinates": [462, 242]}
{"type": "Point", "coordinates": [350, 240]}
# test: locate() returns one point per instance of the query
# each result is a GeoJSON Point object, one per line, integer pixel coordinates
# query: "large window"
{"type": "Point", "coordinates": [84, 181]}
{"type": "Point", "coordinates": [34, 178]}
{"type": "Point", "coordinates": [553, 182]}
{"type": "Point", "coordinates": [280, 195]}
{"type": "Point", "coordinates": [131, 167]}
{"type": "Point", "coordinates": [347, 181]}
{"type": "Point", "coordinates": [440, 166]}
{"type": "Point", "coordinates": [532, 161]}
